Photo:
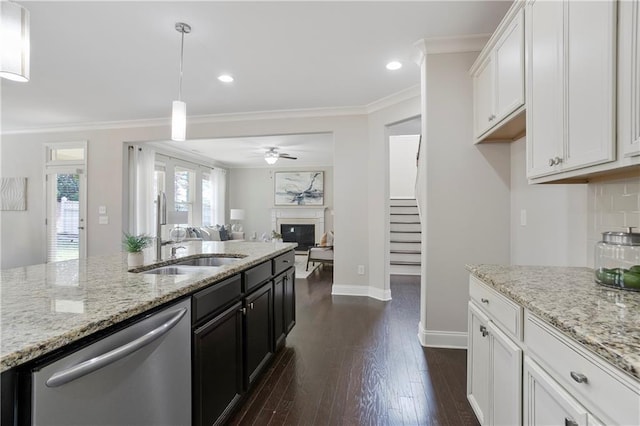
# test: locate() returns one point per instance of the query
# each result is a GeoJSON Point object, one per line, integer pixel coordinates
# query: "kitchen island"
{"type": "Point", "coordinates": [559, 337]}
{"type": "Point", "coordinates": [48, 310]}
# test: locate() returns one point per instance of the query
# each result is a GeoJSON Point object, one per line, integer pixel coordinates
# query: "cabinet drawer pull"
{"type": "Point", "coordinates": [483, 300]}
{"type": "Point", "coordinates": [285, 261]}
{"type": "Point", "coordinates": [552, 162]}
{"type": "Point", "coordinates": [251, 305]}
{"type": "Point", "coordinates": [484, 331]}
{"type": "Point", "coordinates": [244, 311]}
{"type": "Point", "coordinates": [570, 422]}
{"type": "Point", "coordinates": [578, 377]}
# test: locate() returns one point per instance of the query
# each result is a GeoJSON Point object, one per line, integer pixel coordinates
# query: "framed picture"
{"type": "Point", "coordinates": [13, 193]}
{"type": "Point", "coordinates": [299, 188]}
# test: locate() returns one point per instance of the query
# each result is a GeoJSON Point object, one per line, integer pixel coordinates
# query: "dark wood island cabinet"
{"type": "Point", "coordinates": [238, 322]}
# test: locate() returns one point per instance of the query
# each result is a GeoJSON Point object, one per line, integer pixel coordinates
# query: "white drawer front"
{"type": "Point", "coordinates": [500, 309]}
{"type": "Point", "coordinates": [616, 400]}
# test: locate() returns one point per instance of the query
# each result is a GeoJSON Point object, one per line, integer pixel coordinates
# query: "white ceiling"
{"type": "Point", "coordinates": [94, 62]}
{"type": "Point", "coordinates": [111, 61]}
{"type": "Point", "coordinates": [314, 149]}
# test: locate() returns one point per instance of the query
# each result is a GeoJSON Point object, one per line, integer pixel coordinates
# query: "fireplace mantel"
{"type": "Point", "coordinates": [299, 215]}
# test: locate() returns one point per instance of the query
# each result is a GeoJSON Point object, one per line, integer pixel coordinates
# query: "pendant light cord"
{"type": "Point", "coordinates": [181, 60]}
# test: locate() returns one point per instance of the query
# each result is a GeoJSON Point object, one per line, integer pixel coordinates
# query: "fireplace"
{"type": "Point", "coordinates": [303, 234]}
{"type": "Point", "coordinates": [299, 216]}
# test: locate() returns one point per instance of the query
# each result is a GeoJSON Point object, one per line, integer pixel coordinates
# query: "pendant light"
{"type": "Point", "coordinates": [14, 38]}
{"type": "Point", "coordinates": [179, 110]}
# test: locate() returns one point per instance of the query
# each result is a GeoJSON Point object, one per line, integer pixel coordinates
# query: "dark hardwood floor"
{"type": "Point", "coordinates": [357, 361]}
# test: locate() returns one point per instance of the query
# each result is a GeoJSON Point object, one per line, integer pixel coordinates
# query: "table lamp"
{"type": "Point", "coordinates": [237, 215]}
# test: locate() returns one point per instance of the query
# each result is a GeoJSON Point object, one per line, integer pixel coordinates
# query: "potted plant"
{"type": "Point", "coordinates": [134, 244]}
{"type": "Point", "coordinates": [275, 236]}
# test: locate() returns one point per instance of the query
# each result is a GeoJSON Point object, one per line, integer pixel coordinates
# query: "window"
{"type": "Point", "coordinates": [207, 200]}
{"type": "Point", "coordinates": [66, 154]}
{"type": "Point", "coordinates": [184, 191]}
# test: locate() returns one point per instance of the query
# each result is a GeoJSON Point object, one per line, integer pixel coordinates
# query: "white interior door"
{"type": "Point", "coordinates": [66, 213]}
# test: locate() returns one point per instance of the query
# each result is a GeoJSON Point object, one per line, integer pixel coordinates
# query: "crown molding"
{"type": "Point", "coordinates": [196, 119]}
{"type": "Point", "coordinates": [387, 101]}
{"type": "Point", "coordinates": [461, 44]}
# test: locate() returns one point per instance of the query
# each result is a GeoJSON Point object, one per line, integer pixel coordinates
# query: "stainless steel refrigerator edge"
{"type": "Point", "coordinates": [143, 378]}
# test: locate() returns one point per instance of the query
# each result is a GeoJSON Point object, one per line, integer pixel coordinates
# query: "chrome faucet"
{"type": "Point", "coordinates": [161, 219]}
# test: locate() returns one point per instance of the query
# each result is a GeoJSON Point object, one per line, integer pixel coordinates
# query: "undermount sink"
{"type": "Point", "coordinates": [206, 263]}
{"type": "Point", "coordinates": [177, 270]}
{"type": "Point", "coordinates": [209, 261]}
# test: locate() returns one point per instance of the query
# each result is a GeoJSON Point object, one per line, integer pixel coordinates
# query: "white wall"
{"type": "Point", "coordinates": [252, 190]}
{"type": "Point", "coordinates": [556, 218]}
{"type": "Point", "coordinates": [467, 200]}
{"type": "Point", "coordinates": [20, 156]}
{"type": "Point", "coordinates": [402, 165]}
{"type": "Point", "coordinates": [377, 153]}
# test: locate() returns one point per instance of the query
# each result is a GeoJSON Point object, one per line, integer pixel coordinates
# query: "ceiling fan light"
{"type": "Point", "coordinates": [14, 33]}
{"type": "Point", "coordinates": [271, 157]}
{"type": "Point", "coordinates": [179, 121]}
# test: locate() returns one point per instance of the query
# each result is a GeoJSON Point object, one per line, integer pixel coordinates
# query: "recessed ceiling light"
{"type": "Point", "coordinates": [225, 78]}
{"type": "Point", "coordinates": [394, 65]}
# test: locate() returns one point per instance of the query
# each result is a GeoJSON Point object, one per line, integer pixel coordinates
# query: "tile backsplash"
{"type": "Point", "coordinates": [612, 206]}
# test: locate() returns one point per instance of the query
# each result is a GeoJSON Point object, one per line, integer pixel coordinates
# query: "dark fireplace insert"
{"type": "Point", "coordinates": [304, 235]}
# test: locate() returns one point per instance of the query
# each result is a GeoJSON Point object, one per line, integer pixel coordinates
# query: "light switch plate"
{"type": "Point", "coordinates": [103, 220]}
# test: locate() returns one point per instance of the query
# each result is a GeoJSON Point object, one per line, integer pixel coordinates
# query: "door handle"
{"type": "Point", "coordinates": [80, 227]}
{"type": "Point", "coordinates": [89, 366]}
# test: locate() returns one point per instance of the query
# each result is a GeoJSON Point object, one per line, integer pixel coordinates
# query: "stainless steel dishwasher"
{"type": "Point", "coordinates": [140, 375]}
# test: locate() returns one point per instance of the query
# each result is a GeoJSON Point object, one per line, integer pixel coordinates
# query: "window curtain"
{"type": "Point", "coordinates": [219, 188]}
{"type": "Point", "coordinates": [143, 201]}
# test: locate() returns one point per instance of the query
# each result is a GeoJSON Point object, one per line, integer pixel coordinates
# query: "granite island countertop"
{"type": "Point", "coordinates": [45, 307]}
{"type": "Point", "coordinates": [605, 321]}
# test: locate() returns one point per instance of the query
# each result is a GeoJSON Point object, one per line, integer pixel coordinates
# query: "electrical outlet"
{"type": "Point", "coordinates": [360, 269]}
{"type": "Point", "coordinates": [102, 210]}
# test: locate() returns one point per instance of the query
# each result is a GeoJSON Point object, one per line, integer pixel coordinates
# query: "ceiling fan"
{"type": "Point", "coordinates": [272, 155]}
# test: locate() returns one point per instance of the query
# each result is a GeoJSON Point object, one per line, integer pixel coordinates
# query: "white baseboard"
{"type": "Point", "coordinates": [361, 290]}
{"type": "Point", "coordinates": [442, 339]}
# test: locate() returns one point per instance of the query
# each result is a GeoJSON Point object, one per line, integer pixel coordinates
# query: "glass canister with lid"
{"type": "Point", "coordinates": [617, 260]}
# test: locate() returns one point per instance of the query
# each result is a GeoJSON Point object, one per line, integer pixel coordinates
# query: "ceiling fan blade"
{"type": "Point", "coordinates": [287, 156]}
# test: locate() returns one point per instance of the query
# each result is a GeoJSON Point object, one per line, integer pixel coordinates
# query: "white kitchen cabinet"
{"type": "Point", "coordinates": [498, 80]}
{"type": "Point", "coordinates": [506, 378]}
{"type": "Point", "coordinates": [629, 78]}
{"type": "Point", "coordinates": [478, 364]}
{"type": "Point", "coordinates": [509, 69]}
{"type": "Point", "coordinates": [546, 402]}
{"type": "Point", "coordinates": [596, 385]}
{"type": "Point", "coordinates": [571, 84]}
{"type": "Point", "coordinates": [494, 372]}
{"type": "Point", "coordinates": [483, 96]}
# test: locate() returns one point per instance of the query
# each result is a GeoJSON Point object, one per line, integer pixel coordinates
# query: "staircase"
{"type": "Point", "coordinates": [405, 252]}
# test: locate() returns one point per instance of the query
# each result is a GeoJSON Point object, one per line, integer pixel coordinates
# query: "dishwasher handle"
{"type": "Point", "coordinates": [89, 366]}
